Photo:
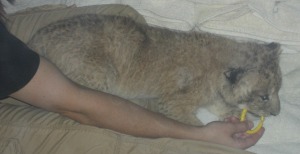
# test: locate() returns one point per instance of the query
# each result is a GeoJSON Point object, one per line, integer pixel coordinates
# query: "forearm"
{"type": "Point", "coordinates": [51, 90]}
{"type": "Point", "coordinates": [108, 111]}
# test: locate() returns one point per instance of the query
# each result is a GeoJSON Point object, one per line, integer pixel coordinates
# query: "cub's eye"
{"type": "Point", "coordinates": [265, 98]}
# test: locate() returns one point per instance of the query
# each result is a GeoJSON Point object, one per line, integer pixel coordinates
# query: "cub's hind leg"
{"type": "Point", "coordinates": [96, 72]}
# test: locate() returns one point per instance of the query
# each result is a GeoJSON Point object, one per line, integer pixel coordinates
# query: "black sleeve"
{"type": "Point", "coordinates": [18, 63]}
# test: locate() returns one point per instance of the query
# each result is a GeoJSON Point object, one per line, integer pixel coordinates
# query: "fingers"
{"type": "Point", "coordinates": [232, 119]}
{"type": "Point", "coordinates": [239, 127]}
{"type": "Point", "coordinates": [245, 141]}
{"type": "Point", "coordinates": [242, 139]}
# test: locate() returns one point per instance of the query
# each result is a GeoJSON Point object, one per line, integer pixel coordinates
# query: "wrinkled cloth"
{"type": "Point", "coordinates": [269, 20]}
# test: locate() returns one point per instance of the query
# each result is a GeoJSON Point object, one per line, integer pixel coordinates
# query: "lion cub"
{"type": "Point", "coordinates": [166, 71]}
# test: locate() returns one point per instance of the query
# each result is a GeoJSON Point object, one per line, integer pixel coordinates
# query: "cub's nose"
{"type": "Point", "coordinates": [275, 111]}
{"type": "Point", "coordinates": [275, 106]}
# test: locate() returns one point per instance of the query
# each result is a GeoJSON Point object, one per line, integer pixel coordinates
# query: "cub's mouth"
{"type": "Point", "coordinates": [253, 114]}
{"type": "Point", "coordinates": [259, 114]}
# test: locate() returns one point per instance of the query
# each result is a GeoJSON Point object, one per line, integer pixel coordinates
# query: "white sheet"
{"type": "Point", "coordinates": [263, 20]}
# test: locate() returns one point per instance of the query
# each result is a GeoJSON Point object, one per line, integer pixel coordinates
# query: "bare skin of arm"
{"type": "Point", "coordinates": [49, 89]}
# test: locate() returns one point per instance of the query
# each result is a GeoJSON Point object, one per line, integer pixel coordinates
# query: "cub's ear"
{"type": "Point", "coordinates": [275, 48]}
{"type": "Point", "coordinates": [234, 74]}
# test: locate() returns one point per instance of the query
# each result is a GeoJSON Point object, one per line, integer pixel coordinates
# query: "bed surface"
{"type": "Point", "coordinates": [269, 21]}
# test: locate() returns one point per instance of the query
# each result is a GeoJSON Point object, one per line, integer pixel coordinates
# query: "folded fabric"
{"type": "Point", "coordinates": [269, 21]}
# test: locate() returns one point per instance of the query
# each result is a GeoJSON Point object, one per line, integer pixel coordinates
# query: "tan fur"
{"type": "Point", "coordinates": [177, 72]}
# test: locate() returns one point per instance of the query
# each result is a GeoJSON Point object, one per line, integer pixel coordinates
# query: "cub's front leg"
{"type": "Point", "coordinates": [180, 110]}
{"type": "Point", "coordinates": [223, 110]}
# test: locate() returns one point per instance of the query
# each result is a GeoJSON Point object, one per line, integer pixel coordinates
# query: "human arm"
{"type": "Point", "coordinates": [51, 90]}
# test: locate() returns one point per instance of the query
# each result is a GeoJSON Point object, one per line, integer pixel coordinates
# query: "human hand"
{"type": "Point", "coordinates": [232, 132]}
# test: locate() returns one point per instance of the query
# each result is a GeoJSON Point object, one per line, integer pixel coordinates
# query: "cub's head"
{"type": "Point", "coordinates": [255, 83]}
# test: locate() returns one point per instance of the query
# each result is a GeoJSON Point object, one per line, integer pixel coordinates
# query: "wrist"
{"type": "Point", "coordinates": [189, 132]}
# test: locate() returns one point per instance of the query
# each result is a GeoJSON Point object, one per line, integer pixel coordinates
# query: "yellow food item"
{"type": "Point", "coordinates": [258, 127]}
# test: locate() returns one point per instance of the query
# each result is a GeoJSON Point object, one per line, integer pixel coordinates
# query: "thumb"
{"type": "Point", "coordinates": [243, 126]}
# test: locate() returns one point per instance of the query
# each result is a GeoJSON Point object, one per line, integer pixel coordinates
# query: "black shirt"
{"type": "Point", "coordinates": [18, 63]}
